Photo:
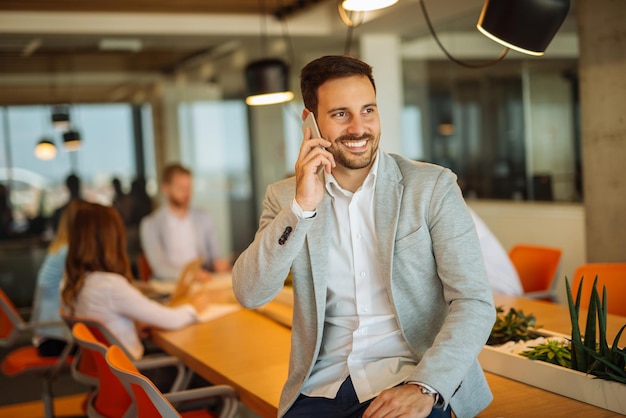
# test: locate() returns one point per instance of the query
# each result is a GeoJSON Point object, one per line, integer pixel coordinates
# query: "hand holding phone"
{"type": "Point", "coordinates": [310, 123]}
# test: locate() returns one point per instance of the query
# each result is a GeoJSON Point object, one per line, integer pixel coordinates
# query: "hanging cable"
{"type": "Point", "coordinates": [287, 37]}
{"type": "Point", "coordinates": [350, 22]}
{"type": "Point", "coordinates": [462, 63]}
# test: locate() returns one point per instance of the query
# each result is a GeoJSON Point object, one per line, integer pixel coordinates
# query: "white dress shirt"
{"type": "Point", "coordinates": [361, 334]}
{"type": "Point", "coordinates": [181, 246]}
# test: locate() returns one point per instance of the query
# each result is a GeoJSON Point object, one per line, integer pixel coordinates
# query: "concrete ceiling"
{"type": "Point", "coordinates": [108, 50]}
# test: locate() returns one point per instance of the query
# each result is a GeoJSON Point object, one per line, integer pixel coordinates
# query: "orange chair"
{"type": "Point", "coordinates": [85, 369]}
{"type": "Point", "coordinates": [537, 267]}
{"type": "Point", "coordinates": [27, 359]}
{"type": "Point", "coordinates": [111, 398]}
{"type": "Point", "coordinates": [150, 402]}
{"type": "Point", "coordinates": [144, 271]}
{"type": "Point", "coordinates": [610, 275]}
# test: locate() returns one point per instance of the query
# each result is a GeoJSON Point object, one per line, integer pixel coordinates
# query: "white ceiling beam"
{"type": "Point", "coordinates": [314, 22]}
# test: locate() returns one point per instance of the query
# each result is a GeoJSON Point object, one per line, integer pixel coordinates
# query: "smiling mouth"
{"type": "Point", "coordinates": [355, 144]}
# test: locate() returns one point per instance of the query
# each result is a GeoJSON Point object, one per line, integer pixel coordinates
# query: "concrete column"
{"type": "Point", "coordinates": [267, 146]}
{"type": "Point", "coordinates": [383, 53]}
{"type": "Point", "coordinates": [602, 37]}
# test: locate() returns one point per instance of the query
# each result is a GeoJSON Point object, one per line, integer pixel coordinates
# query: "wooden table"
{"type": "Point", "coordinates": [250, 352]}
{"type": "Point", "coordinates": [244, 349]}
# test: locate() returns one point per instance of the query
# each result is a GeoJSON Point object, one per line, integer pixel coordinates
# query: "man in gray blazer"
{"type": "Point", "coordinates": [177, 233]}
{"type": "Point", "coordinates": [391, 300]}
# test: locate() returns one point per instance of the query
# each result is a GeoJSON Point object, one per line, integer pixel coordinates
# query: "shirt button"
{"type": "Point", "coordinates": [359, 236]}
{"type": "Point", "coordinates": [363, 274]}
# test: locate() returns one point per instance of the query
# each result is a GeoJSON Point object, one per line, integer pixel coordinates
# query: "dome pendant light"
{"type": "Point", "coordinates": [526, 26]}
{"type": "Point", "coordinates": [268, 82]}
{"type": "Point", "coordinates": [366, 5]}
{"type": "Point", "coordinates": [61, 117]}
{"type": "Point", "coordinates": [45, 149]}
{"type": "Point", "coordinates": [71, 140]}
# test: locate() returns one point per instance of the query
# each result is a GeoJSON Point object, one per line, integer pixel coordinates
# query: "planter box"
{"type": "Point", "coordinates": [567, 382]}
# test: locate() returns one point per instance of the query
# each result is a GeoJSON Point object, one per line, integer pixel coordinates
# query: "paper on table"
{"type": "Point", "coordinates": [216, 310]}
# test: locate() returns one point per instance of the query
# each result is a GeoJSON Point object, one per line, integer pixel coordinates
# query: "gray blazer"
{"type": "Point", "coordinates": [432, 267]}
{"type": "Point", "coordinates": [153, 234]}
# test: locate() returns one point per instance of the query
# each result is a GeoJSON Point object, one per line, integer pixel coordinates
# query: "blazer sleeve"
{"type": "Point", "coordinates": [260, 271]}
{"type": "Point", "coordinates": [152, 246]}
{"type": "Point", "coordinates": [466, 292]}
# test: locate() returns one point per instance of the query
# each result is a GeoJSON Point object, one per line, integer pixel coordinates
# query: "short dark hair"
{"type": "Point", "coordinates": [172, 169]}
{"type": "Point", "coordinates": [326, 68]}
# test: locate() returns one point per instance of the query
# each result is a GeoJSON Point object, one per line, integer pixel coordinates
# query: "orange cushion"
{"type": "Point", "coordinates": [27, 359]}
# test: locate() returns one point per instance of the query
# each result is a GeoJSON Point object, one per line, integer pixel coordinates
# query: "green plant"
{"type": "Point", "coordinates": [552, 351]}
{"type": "Point", "coordinates": [514, 326]}
{"type": "Point", "coordinates": [588, 354]}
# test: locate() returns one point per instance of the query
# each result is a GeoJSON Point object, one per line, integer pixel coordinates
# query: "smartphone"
{"type": "Point", "coordinates": [309, 122]}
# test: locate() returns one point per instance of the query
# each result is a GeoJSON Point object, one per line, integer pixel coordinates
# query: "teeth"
{"type": "Point", "coordinates": [355, 144]}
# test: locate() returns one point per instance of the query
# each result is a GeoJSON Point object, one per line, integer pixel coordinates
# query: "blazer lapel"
{"type": "Point", "coordinates": [317, 241]}
{"type": "Point", "coordinates": [387, 198]}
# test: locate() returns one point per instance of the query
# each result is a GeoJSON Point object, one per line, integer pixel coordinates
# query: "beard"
{"type": "Point", "coordinates": [349, 159]}
{"type": "Point", "coordinates": [179, 203]}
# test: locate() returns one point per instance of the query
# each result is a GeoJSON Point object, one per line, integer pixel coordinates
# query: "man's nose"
{"type": "Point", "coordinates": [356, 126]}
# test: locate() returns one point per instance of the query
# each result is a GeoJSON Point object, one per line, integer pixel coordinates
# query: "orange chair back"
{"type": "Point", "coordinates": [140, 385]}
{"type": "Point", "coordinates": [144, 270]}
{"type": "Point", "coordinates": [112, 400]}
{"type": "Point", "coordinates": [85, 368]}
{"type": "Point", "coordinates": [536, 265]}
{"type": "Point", "coordinates": [9, 318]}
{"type": "Point", "coordinates": [610, 275]}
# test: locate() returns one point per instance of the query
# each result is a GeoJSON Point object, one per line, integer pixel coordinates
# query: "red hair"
{"type": "Point", "coordinates": [97, 242]}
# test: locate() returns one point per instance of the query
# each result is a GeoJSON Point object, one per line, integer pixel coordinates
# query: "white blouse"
{"type": "Point", "coordinates": [111, 299]}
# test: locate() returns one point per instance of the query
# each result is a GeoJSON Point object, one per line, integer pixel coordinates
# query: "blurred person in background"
{"type": "Point", "coordinates": [176, 233]}
{"type": "Point", "coordinates": [50, 341]}
{"type": "Point", "coordinates": [6, 214]}
{"type": "Point", "coordinates": [502, 275]}
{"type": "Point", "coordinates": [99, 284]}
{"type": "Point", "coordinates": [72, 183]}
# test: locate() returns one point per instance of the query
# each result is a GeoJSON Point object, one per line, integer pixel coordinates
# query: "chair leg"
{"type": "Point", "coordinates": [46, 397]}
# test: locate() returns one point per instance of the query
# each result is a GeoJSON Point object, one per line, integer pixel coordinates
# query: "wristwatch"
{"type": "Point", "coordinates": [427, 391]}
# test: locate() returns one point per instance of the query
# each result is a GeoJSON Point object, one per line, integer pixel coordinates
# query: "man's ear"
{"type": "Point", "coordinates": [305, 113]}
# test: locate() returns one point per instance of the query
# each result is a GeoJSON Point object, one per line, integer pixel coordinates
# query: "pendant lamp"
{"type": "Point", "coordinates": [366, 5]}
{"type": "Point", "coordinates": [268, 82]}
{"type": "Point", "coordinates": [61, 117]}
{"type": "Point", "coordinates": [526, 26]}
{"type": "Point", "coordinates": [45, 149]}
{"type": "Point", "coordinates": [71, 140]}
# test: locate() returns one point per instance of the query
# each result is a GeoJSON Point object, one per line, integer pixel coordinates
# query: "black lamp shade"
{"type": "Point", "coordinates": [524, 25]}
{"type": "Point", "coordinates": [71, 140]}
{"type": "Point", "coordinates": [268, 77]}
{"type": "Point", "coordinates": [61, 117]}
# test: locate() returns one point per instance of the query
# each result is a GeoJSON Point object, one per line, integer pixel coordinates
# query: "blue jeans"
{"type": "Point", "coordinates": [345, 405]}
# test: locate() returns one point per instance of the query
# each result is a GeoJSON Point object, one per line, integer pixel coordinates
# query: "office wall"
{"type": "Point", "coordinates": [551, 224]}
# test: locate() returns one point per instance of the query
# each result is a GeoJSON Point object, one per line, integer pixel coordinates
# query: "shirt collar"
{"type": "Point", "coordinates": [370, 181]}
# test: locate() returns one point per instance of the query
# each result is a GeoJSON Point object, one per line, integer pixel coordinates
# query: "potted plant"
{"type": "Point", "coordinates": [581, 366]}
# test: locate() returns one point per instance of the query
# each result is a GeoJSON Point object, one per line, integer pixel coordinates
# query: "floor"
{"type": "Point", "coordinates": [25, 389]}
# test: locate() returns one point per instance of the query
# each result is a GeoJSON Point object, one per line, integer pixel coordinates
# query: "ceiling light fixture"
{"type": "Point", "coordinates": [267, 82]}
{"type": "Point", "coordinates": [366, 5]}
{"type": "Point", "coordinates": [61, 117]}
{"type": "Point", "coordinates": [526, 26]}
{"type": "Point", "coordinates": [71, 140]}
{"type": "Point", "coordinates": [267, 79]}
{"type": "Point", "coordinates": [45, 149]}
